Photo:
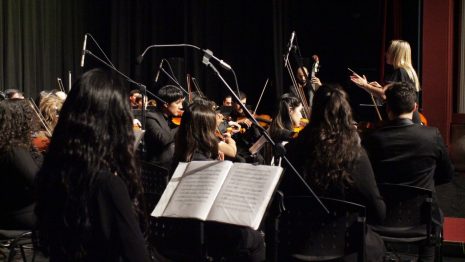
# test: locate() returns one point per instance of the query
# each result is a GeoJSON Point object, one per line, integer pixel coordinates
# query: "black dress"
{"type": "Point", "coordinates": [113, 232]}
{"type": "Point", "coordinates": [17, 189]}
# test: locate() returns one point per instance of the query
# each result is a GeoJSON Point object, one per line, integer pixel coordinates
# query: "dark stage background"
{"type": "Point", "coordinates": [42, 40]}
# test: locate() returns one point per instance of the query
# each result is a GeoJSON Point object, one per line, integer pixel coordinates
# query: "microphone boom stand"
{"type": "Point", "coordinates": [264, 132]}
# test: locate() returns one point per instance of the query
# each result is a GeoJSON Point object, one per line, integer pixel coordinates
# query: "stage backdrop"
{"type": "Point", "coordinates": [42, 40]}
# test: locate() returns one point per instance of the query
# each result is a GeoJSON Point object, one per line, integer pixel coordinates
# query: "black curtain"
{"type": "Point", "coordinates": [42, 40]}
{"type": "Point", "coordinates": [39, 42]}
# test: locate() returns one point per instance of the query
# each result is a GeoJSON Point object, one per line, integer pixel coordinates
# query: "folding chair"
{"type": "Point", "coordinates": [308, 233]}
{"type": "Point", "coordinates": [14, 240]}
{"type": "Point", "coordinates": [408, 216]}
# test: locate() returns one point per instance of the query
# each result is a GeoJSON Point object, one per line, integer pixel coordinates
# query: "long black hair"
{"type": "Point", "coordinates": [283, 118]}
{"type": "Point", "coordinates": [333, 139]}
{"type": "Point", "coordinates": [94, 134]}
{"type": "Point", "coordinates": [196, 133]}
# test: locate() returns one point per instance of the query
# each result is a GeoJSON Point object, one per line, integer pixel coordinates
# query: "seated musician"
{"type": "Point", "coordinates": [227, 100]}
{"type": "Point", "coordinates": [402, 152]}
{"type": "Point", "coordinates": [226, 145]}
{"type": "Point", "coordinates": [89, 205]}
{"type": "Point", "coordinates": [196, 140]}
{"type": "Point", "coordinates": [284, 125]}
{"type": "Point", "coordinates": [249, 133]}
{"type": "Point", "coordinates": [329, 155]}
{"type": "Point", "coordinates": [19, 163]}
{"type": "Point", "coordinates": [50, 106]}
{"type": "Point", "coordinates": [160, 131]}
{"type": "Point", "coordinates": [309, 87]}
{"type": "Point", "coordinates": [288, 117]}
{"type": "Point", "coordinates": [13, 94]}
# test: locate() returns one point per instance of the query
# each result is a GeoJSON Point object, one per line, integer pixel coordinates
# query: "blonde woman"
{"type": "Point", "coordinates": [399, 56]}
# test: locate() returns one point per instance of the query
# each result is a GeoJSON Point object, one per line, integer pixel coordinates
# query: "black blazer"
{"type": "Point", "coordinates": [159, 139]}
{"type": "Point", "coordinates": [406, 153]}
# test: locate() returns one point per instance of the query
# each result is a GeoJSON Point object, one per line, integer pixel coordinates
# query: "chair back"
{"type": "Point", "coordinates": [308, 233]}
{"type": "Point", "coordinates": [408, 213]}
{"type": "Point", "coordinates": [154, 181]}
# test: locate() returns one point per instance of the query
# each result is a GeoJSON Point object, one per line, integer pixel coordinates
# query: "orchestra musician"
{"type": "Point", "coordinates": [284, 125]}
{"type": "Point", "coordinates": [329, 155]}
{"type": "Point", "coordinates": [160, 131]}
{"type": "Point", "coordinates": [50, 106]}
{"type": "Point", "coordinates": [288, 118]}
{"type": "Point", "coordinates": [249, 133]}
{"type": "Point", "coordinates": [309, 87]}
{"type": "Point", "coordinates": [89, 195]}
{"type": "Point", "coordinates": [399, 58]}
{"type": "Point", "coordinates": [19, 163]}
{"type": "Point", "coordinates": [404, 153]}
{"type": "Point", "coordinates": [196, 140]}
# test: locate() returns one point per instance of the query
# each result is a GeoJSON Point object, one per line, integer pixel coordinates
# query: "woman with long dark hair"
{"type": "Point", "coordinates": [19, 162]}
{"type": "Point", "coordinates": [196, 138]}
{"type": "Point", "coordinates": [89, 192]}
{"type": "Point", "coordinates": [329, 155]}
{"type": "Point", "coordinates": [288, 117]}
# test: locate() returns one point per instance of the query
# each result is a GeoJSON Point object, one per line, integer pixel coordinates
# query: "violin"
{"type": "Point", "coordinates": [263, 119]}
{"type": "Point", "coordinates": [176, 120]}
{"type": "Point", "coordinates": [423, 119]}
{"type": "Point", "coordinates": [40, 141]}
{"type": "Point", "coordinates": [296, 129]}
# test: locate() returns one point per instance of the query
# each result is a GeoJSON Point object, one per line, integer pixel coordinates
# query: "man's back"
{"type": "Point", "coordinates": [410, 154]}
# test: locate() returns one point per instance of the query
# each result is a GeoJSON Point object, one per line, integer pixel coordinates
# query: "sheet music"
{"type": "Point", "coordinates": [245, 194]}
{"type": "Point", "coordinates": [197, 189]}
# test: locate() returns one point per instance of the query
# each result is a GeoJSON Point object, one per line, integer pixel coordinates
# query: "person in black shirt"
{"type": "Point", "coordinates": [399, 58]}
{"type": "Point", "coordinates": [89, 204]}
{"type": "Point", "coordinates": [19, 163]}
{"type": "Point", "coordinates": [160, 130]}
{"type": "Point", "coordinates": [329, 155]}
{"type": "Point", "coordinates": [408, 154]}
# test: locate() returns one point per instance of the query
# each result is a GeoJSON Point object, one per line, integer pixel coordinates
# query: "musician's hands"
{"type": "Point", "coordinates": [228, 139]}
{"type": "Point", "coordinates": [375, 84]}
{"type": "Point", "coordinates": [234, 126]}
{"type": "Point", "coordinates": [316, 82]}
{"type": "Point", "coordinates": [220, 155]}
{"type": "Point", "coordinates": [245, 121]}
{"type": "Point", "coordinates": [358, 80]}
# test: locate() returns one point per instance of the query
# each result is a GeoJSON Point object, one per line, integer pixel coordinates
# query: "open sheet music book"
{"type": "Point", "coordinates": [234, 193]}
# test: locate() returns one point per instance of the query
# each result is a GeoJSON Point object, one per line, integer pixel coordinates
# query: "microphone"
{"type": "Point", "coordinates": [83, 56]}
{"type": "Point", "coordinates": [159, 69]}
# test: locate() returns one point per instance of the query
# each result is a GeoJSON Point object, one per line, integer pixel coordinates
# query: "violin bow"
{"type": "Point", "coordinates": [40, 116]}
{"type": "Point", "coordinates": [60, 85]}
{"type": "Point", "coordinates": [261, 95]}
{"type": "Point", "coordinates": [189, 89]}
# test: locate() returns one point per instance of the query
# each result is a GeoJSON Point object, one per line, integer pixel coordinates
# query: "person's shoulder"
{"type": "Point", "coordinates": [109, 182]}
